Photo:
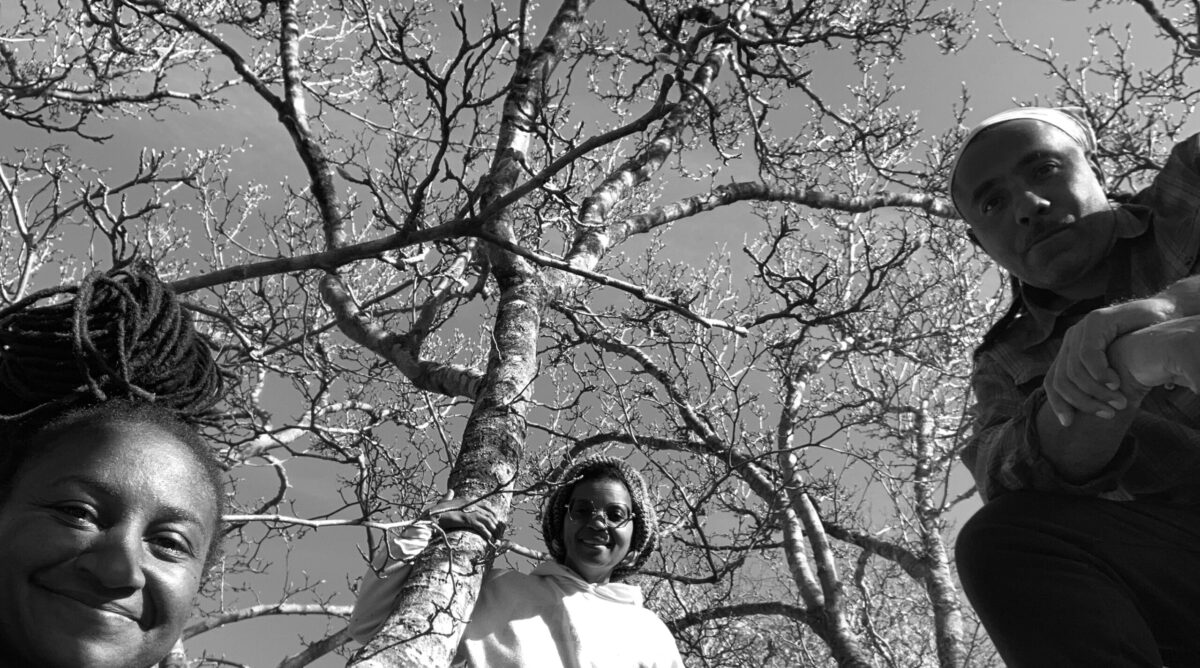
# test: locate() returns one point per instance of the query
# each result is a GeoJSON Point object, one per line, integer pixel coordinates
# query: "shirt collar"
{"type": "Point", "coordinates": [568, 580]}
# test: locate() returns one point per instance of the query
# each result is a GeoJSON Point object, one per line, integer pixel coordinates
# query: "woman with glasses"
{"type": "Point", "coordinates": [599, 526]}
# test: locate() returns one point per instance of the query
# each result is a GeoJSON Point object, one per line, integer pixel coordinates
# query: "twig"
{"type": "Point", "coordinates": [632, 288]}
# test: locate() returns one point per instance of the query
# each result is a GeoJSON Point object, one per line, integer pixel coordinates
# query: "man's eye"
{"type": "Point", "coordinates": [1046, 169]}
{"type": "Point", "coordinates": [990, 203]}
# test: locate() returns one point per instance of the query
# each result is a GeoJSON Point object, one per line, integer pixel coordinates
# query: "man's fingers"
{"type": "Point", "coordinates": [1061, 409]}
{"type": "Point", "coordinates": [1095, 363]}
{"type": "Point", "coordinates": [1065, 399]}
{"type": "Point", "coordinates": [1078, 382]}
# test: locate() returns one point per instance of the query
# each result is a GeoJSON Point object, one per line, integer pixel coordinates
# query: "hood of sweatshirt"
{"type": "Point", "coordinates": [570, 582]}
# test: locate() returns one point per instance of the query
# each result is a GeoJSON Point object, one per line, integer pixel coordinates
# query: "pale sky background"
{"type": "Point", "coordinates": [994, 76]}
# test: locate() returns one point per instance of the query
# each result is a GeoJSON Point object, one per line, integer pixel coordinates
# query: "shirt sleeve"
{"type": "Point", "coordinates": [1184, 159]}
{"type": "Point", "coordinates": [381, 583]}
{"type": "Point", "coordinates": [1004, 451]}
{"type": "Point", "coordinates": [1175, 197]}
{"type": "Point", "coordinates": [1175, 200]}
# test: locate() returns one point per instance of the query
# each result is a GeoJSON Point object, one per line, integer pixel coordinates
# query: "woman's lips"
{"type": "Point", "coordinates": [97, 602]}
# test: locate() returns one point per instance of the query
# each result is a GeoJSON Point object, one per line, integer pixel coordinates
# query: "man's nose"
{"type": "Point", "coordinates": [115, 560]}
{"type": "Point", "coordinates": [1030, 206]}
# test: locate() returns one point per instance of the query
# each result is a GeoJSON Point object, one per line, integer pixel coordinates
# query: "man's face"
{"type": "Point", "coordinates": [1037, 206]}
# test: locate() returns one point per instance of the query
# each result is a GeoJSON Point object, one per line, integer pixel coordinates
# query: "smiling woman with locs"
{"type": "Point", "coordinates": [599, 527]}
{"type": "Point", "coordinates": [110, 502]}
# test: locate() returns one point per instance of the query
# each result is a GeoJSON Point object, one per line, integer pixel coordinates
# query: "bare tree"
{"type": "Point", "coordinates": [480, 266]}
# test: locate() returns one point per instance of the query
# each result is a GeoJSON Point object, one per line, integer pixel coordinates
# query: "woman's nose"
{"type": "Point", "coordinates": [115, 560]}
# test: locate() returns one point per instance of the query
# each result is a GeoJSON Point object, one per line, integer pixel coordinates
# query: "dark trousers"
{"type": "Point", "coordinates": [1063, 580]}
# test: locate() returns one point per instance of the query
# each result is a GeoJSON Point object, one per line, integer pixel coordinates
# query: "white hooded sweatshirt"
{"type": "Point", "coordinates": [548, 618]}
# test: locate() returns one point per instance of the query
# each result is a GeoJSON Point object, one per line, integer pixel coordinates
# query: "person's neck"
{"type": "Point", "coordinates": [1095, 284]}
{"type": "Point", "coordinates": [1092, 284]}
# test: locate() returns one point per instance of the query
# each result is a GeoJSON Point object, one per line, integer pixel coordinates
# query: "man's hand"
{"type": "Point", "coordinates": [1164, 354]}
{"type": "Point", "coordinates": [1080, 379]}
{"type": "Point", "coordinates": [466, 515]}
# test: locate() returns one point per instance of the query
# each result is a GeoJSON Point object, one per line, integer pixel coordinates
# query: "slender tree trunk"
{"type": "Point", "coordinates": [436, 601]}
{"type": "Point", "coordinates": [947, 614]}
{"type": "Point", "coordinates": [844, 643]}
{"type": "Point", "coordinates": [939, 582]}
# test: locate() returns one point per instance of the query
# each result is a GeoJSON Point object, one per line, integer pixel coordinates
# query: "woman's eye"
{"type": "Point", "coordinates": [171, 544]}
{"type": "Point", "coordinates": [990, 203]}
{"type": "Point", "coordinates": [77, 513]}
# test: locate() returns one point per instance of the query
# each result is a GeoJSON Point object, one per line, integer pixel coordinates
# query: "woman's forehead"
{"type": "Point", "coordinates": [132, 462]}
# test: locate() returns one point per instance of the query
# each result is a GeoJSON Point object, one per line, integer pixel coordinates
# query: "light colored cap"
{"type": "Point", "coordinates": [1070, 120]}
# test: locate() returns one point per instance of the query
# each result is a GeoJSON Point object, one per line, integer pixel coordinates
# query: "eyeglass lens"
{"type": "Point", "coordinates": [582, 510]}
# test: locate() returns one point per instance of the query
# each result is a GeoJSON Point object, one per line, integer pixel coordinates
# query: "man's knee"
{"type": "Point", "coordinates": [1020, 535]}
{"type": "Point", "coordinates": [974, 549]}
{"type": "Point", "coordinates": [1010, 534]}
{"type": "Point", "coordinates": [990, 526]}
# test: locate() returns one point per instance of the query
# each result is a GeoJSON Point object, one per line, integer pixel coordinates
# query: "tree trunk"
{"type": "Point", "coordinates": [434, 605]}
{"type": "Point", "coordinates": [939, 583]}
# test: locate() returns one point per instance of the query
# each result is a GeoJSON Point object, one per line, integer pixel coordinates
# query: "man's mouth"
{"type": "Point", "coordinates": [1048, 234]}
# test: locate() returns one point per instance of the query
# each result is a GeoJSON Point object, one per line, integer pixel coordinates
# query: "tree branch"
{"type": "Point", "coordinates": [228, 617]}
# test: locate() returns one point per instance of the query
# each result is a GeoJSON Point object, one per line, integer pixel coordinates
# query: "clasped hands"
{"type": "Point", "coordinates": [1119, 352]}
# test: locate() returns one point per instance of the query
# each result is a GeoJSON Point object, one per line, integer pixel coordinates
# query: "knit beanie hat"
{"type": "Point", "coordinates": [600, 467]}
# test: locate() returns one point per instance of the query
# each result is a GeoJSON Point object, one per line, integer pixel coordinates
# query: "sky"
{"type": "Point", "coordinates": [993, 74]}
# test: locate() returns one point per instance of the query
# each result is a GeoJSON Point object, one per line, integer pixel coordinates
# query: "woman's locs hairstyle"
{"type": "Point", "coordinates": [601, 467]}
{"type": "Point", "coordinates": [122, 333]}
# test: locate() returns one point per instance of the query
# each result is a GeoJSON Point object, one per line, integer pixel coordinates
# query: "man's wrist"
{"type": "Point", "coordinates": [1152, 310]}
{"type": "Point", "coordinates": [1181, 298]}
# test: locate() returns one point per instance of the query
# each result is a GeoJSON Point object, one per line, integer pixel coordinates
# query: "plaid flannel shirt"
{"type": "Point", "coordinates": [1158, 244]}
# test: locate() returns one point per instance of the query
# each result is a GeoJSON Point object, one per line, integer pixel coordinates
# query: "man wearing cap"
{"type": "Point", "coordinates": [1086, 443]}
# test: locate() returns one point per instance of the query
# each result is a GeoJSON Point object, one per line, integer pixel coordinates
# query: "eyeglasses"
{"type": "Point", "coordinates": [615, 515]}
